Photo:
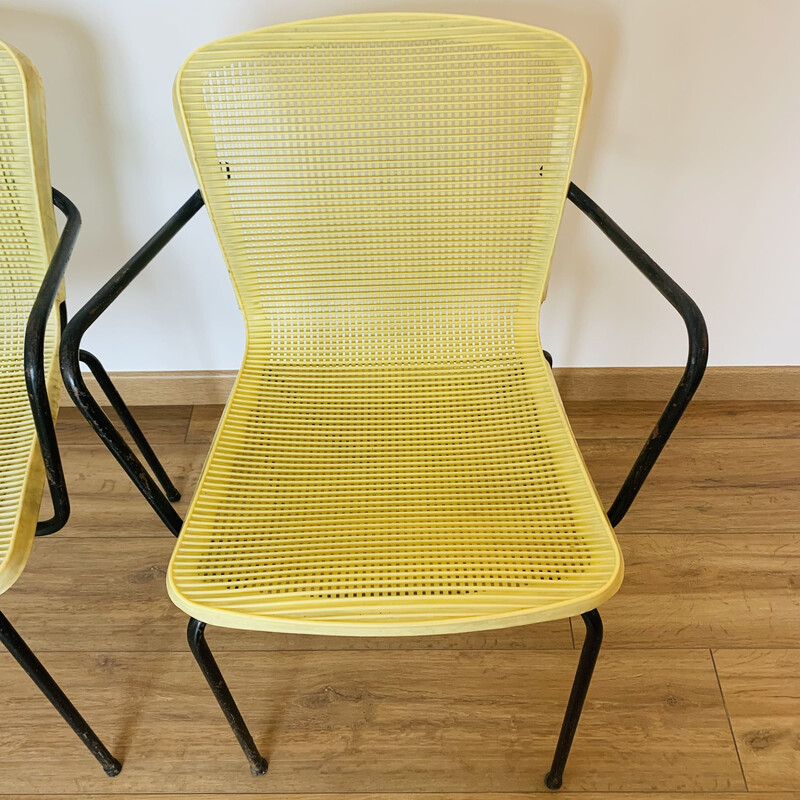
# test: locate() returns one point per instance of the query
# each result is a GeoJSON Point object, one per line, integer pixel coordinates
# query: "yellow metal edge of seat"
{"type": "Point", "coordinates": [233, 619]}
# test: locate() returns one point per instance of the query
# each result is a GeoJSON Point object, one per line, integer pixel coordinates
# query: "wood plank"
{"type": "Point", "coordinates": [705, 590]}
{"type": "Point", "coordinates": [778, 383]}
{"type": "Point", "coordinates": [203, 424]}
{"type": "Point", "coordinates": [332, 722]}
{"type": "Point", "coordinates": [705, 485]}
{"type": "Point", "coordinates": [775, 383]}
{"type": "Point", "coordinates": [109, 593]}
{"type": "Point", "coordinates": [160, 424]}
{"type": "Point", "coordinates": [104, 501]}
{"type": "Point", "coordinates": [634, 420]}
{"type": "Point", "coordinates": [179, 387]}
{"type": "Point", "coordinates": [762, 693]}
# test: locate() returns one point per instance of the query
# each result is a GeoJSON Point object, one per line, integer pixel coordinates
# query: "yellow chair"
{"type": "Point", "coordinates": [32, 263]}
{"type": "Point", "coordinates": [394, 459]}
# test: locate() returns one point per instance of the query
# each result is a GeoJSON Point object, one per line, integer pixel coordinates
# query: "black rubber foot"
{"type": "Point", "coordinates": [114, 769]}
{"type": "Point", "coordinates": [261, 768]}
{"type": "Point", "coordinates": [552, 781]}
{"type": "Point", "coordinates": [173, 495]}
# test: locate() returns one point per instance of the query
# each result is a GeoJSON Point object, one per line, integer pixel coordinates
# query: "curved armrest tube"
{"type": "Point", "coordinates": [35, 377]}
{"type": "Point", "coordinates": [696, 362]}
{"type": "Point", "coordinates": [71, 354]}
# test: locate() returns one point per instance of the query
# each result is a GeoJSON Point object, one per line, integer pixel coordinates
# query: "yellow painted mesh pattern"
{"type": "Point", "coordinates": [27, 239]}
{"type": "Point", "coordinates": [394, 459]}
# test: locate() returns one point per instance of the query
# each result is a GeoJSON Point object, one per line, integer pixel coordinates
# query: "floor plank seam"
{"type": "Point", "coordinates": [728, 716]}
{"type": "Point", "coordinates": [188, 426]}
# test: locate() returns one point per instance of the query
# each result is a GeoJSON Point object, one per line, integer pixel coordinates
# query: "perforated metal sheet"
{"type": "Point", "coordinates": [27, 239]}
{"type": "Point", "coordinates": [394, 459]}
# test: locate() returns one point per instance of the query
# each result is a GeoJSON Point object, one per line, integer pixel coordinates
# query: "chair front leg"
{"type": "Point", "coordinates": [52, 691]}
{"type": "Point", "coordinates": [580, 686]}
{"type": "Point", "coordinates": [205, 659]}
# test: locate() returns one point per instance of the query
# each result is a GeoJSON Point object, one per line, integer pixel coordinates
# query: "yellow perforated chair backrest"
{"type": "Point", "coordinates": [27, 239]}
{"type": "Point", "coordinates": [386, 188]}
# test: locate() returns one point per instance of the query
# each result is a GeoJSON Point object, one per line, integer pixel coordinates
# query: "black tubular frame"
{"type": "Point", "coordinates": [580, 686]}
{"type": "Point", "coordinates": [72, 355]}
{"type": "Point", "coordinates": [35, 376]}
{"type": "Point", "coordinates": [695, 365]}
{"type": "Point", "coordinates": [670, 416]}
{"type": "Point", "coordinates": [687, 386]}
{"type": "Point", "coordinates": [195, 635]}
{"type": "Point", "coordinates": [41, 411]}
{"type": "Point", "coordinates": [132, 426]}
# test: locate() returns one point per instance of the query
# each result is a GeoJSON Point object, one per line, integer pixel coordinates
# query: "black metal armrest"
{"type": "Point", "coordinates": [695, 365]}
{"type": "Point", "coordinates": [35, 376]}
{"type": "Point", "coordinates": [72, 355]}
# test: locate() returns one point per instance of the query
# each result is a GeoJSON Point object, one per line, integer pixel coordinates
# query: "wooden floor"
{"type": "Point", "coordinates": [696, 695]}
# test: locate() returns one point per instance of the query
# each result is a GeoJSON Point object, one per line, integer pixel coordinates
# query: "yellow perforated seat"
{"type": "Point", "coordinates": [394, 458]}
{"type": "Point", "coordinates": [394, 501]}
{"type": "Point", "coordinates": [27, 240]}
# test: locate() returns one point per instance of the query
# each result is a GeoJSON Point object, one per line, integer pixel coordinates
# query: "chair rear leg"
{"type": "Point", "coordinates": [51, 690]}
{"type": "Point", "coordinates": [123, 412]}
{"type": "Point", "coordinates": [205, 659]}
{"type": "Point", "coordinates": [580, 686]}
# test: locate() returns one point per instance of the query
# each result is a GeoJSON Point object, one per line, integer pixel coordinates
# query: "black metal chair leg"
{"type": "Point", "coordinates": [547, 357]}
{"type": "Point", "coordinates": [118, 404]}
{"type": "Point", "coordinates": [580, 686]}
{"type": "Point", "coordinates": [52, 691]}
{"type": "Point", "coordinates": [202, 653]}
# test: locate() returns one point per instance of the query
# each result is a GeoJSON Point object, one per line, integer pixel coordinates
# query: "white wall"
{"type": "Point", "coordinates": [692, 142]}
